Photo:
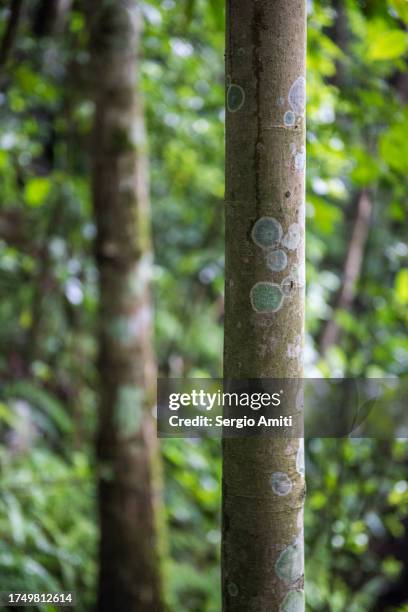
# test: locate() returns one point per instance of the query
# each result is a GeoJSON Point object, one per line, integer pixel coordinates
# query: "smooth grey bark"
{"type": "Point", "coordinates": [130, 573]}
{"type": "Point", "coordinates": [263, 478]}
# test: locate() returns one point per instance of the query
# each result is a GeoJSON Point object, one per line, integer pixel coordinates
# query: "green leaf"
{"type": "Point", "coordinates": [387, 45]}
{"type": "Point", "coordinates": [401, 286]}
{"type": "Point", "coordinates": [401, 8]}
{"type": "Point", "coordinates": [36, 191]}
{"type": "Point", "coordinates": [6, 415]}
{"type": "Point", "coordinates": [366, 169]}
{"type": "Point", "coordinates": [217, 10]}
{"type": "Point", "coordinates": [40, 399]}
{"type": "Point", "coordinates": [394, 146]}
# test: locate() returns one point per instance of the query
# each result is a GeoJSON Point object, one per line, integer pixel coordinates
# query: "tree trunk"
{"type": "Point", "coordinates": [262, 549]}
{"type": "Point", "coordinates": [10, 32]}
{"type": "Point", "coordinates": [129, 576]}
{"type": "Point", "coordinates": [352, 269]}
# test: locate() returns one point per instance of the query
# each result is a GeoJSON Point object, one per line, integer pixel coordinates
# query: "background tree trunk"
{"type": "Point", "coordinates": [263, 479]}
{"type": "Point", "coordinates": [129, 548]}
{"type": "Point", "coordinates": [352, 268]}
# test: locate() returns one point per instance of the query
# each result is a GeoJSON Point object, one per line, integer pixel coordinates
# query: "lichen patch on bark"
{"type": "Point", "coordinates": [266, 297]}
{"type": "Point", "coordinates": [294, 602]}
{"type": "Point", "coordinates": [297, 96]}
{"type": "Point", "coordinates": [281, 484]}
{"type": "Point", "coordinates": [277, 260]}
{"type": "Point", "coordinates": [290, 563]}
{"type": "Point", "coordinates": [267, 232]}
{"type": "Point", "coordinates": [235, 98]}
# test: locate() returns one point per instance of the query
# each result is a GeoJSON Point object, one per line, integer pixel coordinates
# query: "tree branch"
{"type": "Point", "coordinates": [10, 33]}
{"type": "Point", "coordinates": [352, 268]}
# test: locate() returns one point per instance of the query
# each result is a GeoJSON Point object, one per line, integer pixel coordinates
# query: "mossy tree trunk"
{"type": "Point", "coordinates": [129, 577]}
{"type": "Point", "coordinates": [263, 479]}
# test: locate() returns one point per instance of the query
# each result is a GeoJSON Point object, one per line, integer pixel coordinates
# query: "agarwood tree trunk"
{"type": "Point", "coordinates": [263, 478]}
{"type": "Point", "coordinates": [129, 577]}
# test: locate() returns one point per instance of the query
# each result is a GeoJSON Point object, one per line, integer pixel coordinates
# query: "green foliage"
{"type": "Point", "coordinates": [36, 191]}
{"type": "Point", "coordinates": [47, 544]}
{"type": "Point", "coordinates": [386, 45]}
{"type": "Point", "coordinates": [357, 504]}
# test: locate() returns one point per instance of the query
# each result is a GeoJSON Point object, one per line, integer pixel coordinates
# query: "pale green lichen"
{"type": "Point", "coordinates": [290, 564]}
{"type": "Point", "coordinates": [277, 260]}
{"type": "Point", "coordinates": [126, 328]}
{"type": "Point", "coordinates": [281, 484]}
{"type": "Point", "coordinates": [119, 329]}
{"type": "Point", "coordinates": [293, 602]}
{"type": "Point", "coordinates": [289, 118]}
{"type": "Point", "coordinates": [128, 410]}
{"type": "Point", "coordinates": [140, 276]}
{"type": "Point", "coordinates": [235, 98]}
{"type": "Point", "coordinates": [266, 297]}
{"type": "Point", "coordinates": [232, 589]}
{"type": "Point", "coordinates": [267, 232]}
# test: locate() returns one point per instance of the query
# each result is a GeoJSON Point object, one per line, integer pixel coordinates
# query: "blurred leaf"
{"type": "Point", "coordinates": [401, 8]}
{"type": "Point", "coordinates": [41, 399]}
{"type": "Point", "coordinates": [394, 145]}
{"type": "Point", "coordinates": [401, 286]}
{"type": "Point", "coordinates": [387, 45]}
{"type": "Point", "coordinates": [37, 190]}
{"type": "Point", "coordinates": [366, 170]}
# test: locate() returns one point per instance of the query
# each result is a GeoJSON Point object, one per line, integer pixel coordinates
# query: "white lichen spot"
{"type": "Point", "coordinates": [141, 276]}
{"type": "Point", "coordinates": [266, 297]}
{"type": "Point", "coordinates": [299, 520]}
{"type": "Point", "coordinates": [267, 232]}
{"type": "Point", "coordinates": [299, 159]}
{"type": "Point", "coordinates": [289, 118]}
{"type": "Point", "coordinates": [297, 272]}
{"type": "Point", "coordinates": [288, 285]}
{"type": "Point", "coordinates": [235, 98]}
{"type": "Point", "coordinates": [128, 410]}
{"type": "Point", "coordinates": [300, 458]}
{"type": "Point", "coordinates": [294, 602]}
{"type": "Point", "coordinates": [290, 563]}
{"type": "Point", "coordinates": [294, 350]}
{"type": "Point", "coordinates": [292, 238]}
{"type": "Point", "coordinates": [297, 96]}
{"type": "Point", "coordinates": [267, 346]}
{"type": "Point", "coordinates": [233, 589]}
{"type": "Point", "coordinates": [277, 260]}
{"type": "Point", "coordinates": [280, 101]}
{"type": "Point", "coordinates": [281, 484]}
